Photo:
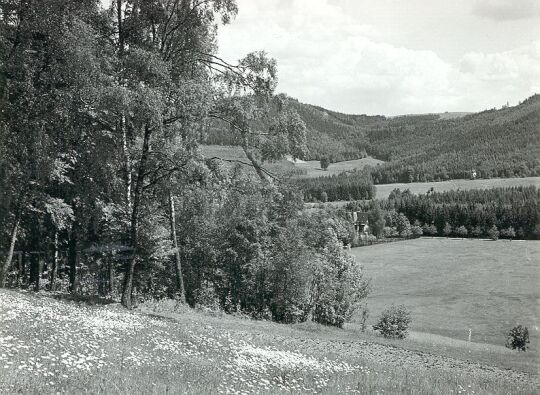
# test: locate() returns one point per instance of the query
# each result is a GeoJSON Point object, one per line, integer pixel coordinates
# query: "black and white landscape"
{"type": "Point", "coordinates": [173, 220]}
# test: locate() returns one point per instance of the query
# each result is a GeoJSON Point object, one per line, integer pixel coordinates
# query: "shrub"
{"type": "Point", "coordinates": [493, 233]}
{"type": "Point", "coordinates": [417, 231]}
{"type": "Point", "coordinates": [430, 230]}
{"type": "Point", "coordinates": [477, 231]}
{"type": "Point", "coordinates": [325, 162]}
{"type": "Point", "coordinates": [461, 231]}
{"type": "Point", "coordinates": [324, 197]}
{"type": "Point", "coordinates": [508, 233]}
{"type": "Point", "coordinates": [390, 232]}
{"type": "Point", "coordinates": [394, 322]}
{"type": "Point", "coordinates": [518, 338]}
{"type": "Point", "coordinates": [338, 285]}
{"type": "Point", "coordinates": [447, 230]}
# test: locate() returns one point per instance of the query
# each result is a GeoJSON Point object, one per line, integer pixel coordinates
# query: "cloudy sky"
{"type": "Point", "coordinates": [395, 56]}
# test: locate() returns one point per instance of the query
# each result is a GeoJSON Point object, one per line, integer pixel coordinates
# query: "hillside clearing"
{"type": "Point", "coordinates": [304, 169]}
{"type": "Point", "coordinates": [384, 190]}
{"type": "Point", "coordinates": [453, 285]}
{"type": "Point", "coordinates": [49, 346]}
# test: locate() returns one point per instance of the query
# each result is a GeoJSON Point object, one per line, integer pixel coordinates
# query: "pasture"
{"type": "Point", "coordinates": [383, 190]}
{"type": "Point", "coordinates": [304, 169]}
{"type": "Point", "coordinates": [313, 167]}
{"type": "Point", "coordinates": [453, 285]}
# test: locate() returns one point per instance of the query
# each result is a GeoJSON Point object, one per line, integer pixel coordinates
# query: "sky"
{"type": "Point", "coordinates": [394, 57]}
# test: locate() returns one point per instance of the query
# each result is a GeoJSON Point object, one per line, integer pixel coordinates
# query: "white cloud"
{"type": "Point", "coordinates": [329, 57]}
{"type": "Point", "coordinates": [504, 10]}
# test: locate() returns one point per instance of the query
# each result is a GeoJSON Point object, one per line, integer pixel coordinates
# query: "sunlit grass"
{"type": "Point", "coordinates": [50, 346]}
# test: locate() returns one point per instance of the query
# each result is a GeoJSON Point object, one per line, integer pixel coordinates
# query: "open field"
{"type": "Point", "coordinates": [313, 167]}
{"type": "Point", "coordinates": [453, 285]}
{"type": "Point", "coordinates": [307, 169]}
{"type": "Point", "coordinates": [383, 190]}
{"type": "Point", "coordinates": [50, 346]}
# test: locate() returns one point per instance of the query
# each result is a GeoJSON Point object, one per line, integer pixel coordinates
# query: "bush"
{"type": "Point", "coordinates": [325, 163]}
{"type": "Point", "coordinates": [508, 233]}
{"type": "Point", "coordinates": [461, 231]}
{"type": "Point", "coordinates": [493, 233]}
{"type": "Point", "coordinates": [324, 197]}
{"type": "Point", "coordinates": [390, 232]}
{"type": "Point", "coordinates": [477, 231]}
{"type": "Point", "coordinates": [417, 231]}
{"type": "Point", "coordinates": [430, 230]}
{"type": "Point", "coordinates": [447, 230]}
{"type": "Point", "coordinates": [518, 338]}
{"type": "Point", "coordinates": [394, 322]}
{"type": "Point", "coordinates": [338, 285]}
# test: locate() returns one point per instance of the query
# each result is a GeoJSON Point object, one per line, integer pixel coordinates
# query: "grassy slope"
{"type": "Point", "coordinates": [313, 168]}
{"type": "Point", "coordinates": [383, 191]}
{"type": "Point", "coordinates": [308, 169]}
{"type": "Point", "coordinates": [47, 346]}
{"type": "Point", "coordinates": [452, 285]}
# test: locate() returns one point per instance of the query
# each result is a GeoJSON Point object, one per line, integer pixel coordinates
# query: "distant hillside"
{"type": "Point", "coordinates": [495, 143]}
{"type": "Point", "coordinates": [426, 147]}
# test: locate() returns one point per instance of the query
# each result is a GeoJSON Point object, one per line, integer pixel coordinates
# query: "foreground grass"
{"type": "Point", "coordinates": [50, 346]}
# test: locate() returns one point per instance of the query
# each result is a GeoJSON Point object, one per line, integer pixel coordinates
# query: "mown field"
{"type": "Point", "coordinates": [453, 285]}
{"type": "Point", "coordinates": [307, 169]}
{"type": "Point", "coordinates": [383, 190]}
{"type": "Point", "coordinates": [49, 346]}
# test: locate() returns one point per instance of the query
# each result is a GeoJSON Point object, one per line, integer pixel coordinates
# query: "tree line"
{"type": "Point", "coordinates": [500, 212]}
{"type": "Point", "coordinates": [352, 185]}
{"type": "Point", "coordinates": [103, 187]}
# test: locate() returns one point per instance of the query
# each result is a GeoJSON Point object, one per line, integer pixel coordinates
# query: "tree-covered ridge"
{"type": "Point", "coordinates": [495, 143]}
{"type": "Point", "coordinates": [329, 134]}
{"type": "Point", "coordinates": [431, 147]}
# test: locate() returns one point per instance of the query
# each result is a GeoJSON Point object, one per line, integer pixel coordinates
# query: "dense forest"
{"type": "Point", "coordinates": [493, 143]}
{"type": "Point", "coordinates": [104, 190]}
{"type": "Point", "coordinates": [501, 212]}
{"type": "Point", "coordinates": [353, 185]}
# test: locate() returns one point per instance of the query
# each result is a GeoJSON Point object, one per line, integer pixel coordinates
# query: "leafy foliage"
{"type": "Point", "coordinates": [518, 338]}
{"type": "Point", "coordinates": [394, 322]}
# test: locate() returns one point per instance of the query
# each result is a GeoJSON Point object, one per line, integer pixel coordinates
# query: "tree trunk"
{"type": "Point", "coordinates": [73, 258]}
{"type": "Point", "coordinates": [120, 27]}
{"type": "Point", "coordinates": [54, 269]}
{"type": "Point", "coordinates": [180, 294]}
{"type": "Point", "coordinates": [255, 163]}
{"type": "Point", "coordinates": [134, 223]}
{"type": "Point", "coordinates": [36, 266]}
{"type": "Point", "coordinates": [7, 262]}
{"type": "Point", "coordinates": [111, 277]}
{"type": "Point", "coordinates": [127, 161]}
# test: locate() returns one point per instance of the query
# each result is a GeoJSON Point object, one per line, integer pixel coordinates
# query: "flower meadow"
{"type": "Point", "coordinates": [53, 346]}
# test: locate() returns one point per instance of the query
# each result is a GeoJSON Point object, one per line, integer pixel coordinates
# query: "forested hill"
{"type": "Point", "coordinates": [495, 143]}
{"type": "Point", "coordinates": [430, 147]}
{"type": "Point", "coordinates": [330, 134]}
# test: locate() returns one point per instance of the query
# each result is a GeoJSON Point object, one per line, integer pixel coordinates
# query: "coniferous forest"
{"type": "Point", "coordinates": [511, 213]}
{"type": "Point", "coordinates": [424, 148]}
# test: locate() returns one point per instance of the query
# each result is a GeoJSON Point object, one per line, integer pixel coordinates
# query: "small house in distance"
{"type": "Point", "coordinates": [360, 221]}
